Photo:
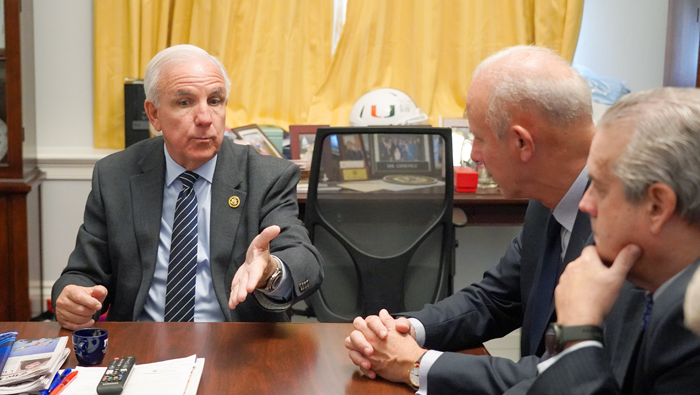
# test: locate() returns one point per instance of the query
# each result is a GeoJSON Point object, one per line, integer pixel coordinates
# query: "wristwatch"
{"type": "Point", "coordinates": [413, 376]}
{"type": "Point", "coordinates": [274, 281]}
{"type": "Point", "coordinates": [558, 336]}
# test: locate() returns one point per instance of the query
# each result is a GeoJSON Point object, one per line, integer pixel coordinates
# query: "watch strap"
{"type": "Point", "coordinates": [558, 336]}
{"type": "Point", "coordinates": [580, 332]}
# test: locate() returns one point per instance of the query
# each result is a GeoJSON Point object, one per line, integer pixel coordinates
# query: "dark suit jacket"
{"type": "Point", "coordinates": [492, 308]}
{"type": "Point", "coordinates": [118, 241]}
{"type": "Point", "coordinates": [669, 354]}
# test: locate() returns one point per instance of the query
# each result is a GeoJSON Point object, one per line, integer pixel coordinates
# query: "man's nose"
{"type": "Point", "coordinates": [203, 116]}
{"type": "Point", "coordinates": [587, 204]}
{"type": "Point", "coordinates": [476, 154]}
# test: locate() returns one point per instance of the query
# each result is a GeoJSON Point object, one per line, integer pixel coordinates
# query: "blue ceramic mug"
{"type": "Point", "coordinates": [90, 346]}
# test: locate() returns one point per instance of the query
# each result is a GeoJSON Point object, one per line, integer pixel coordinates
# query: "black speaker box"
{"type": "Point", "coordinates": [135, 118]}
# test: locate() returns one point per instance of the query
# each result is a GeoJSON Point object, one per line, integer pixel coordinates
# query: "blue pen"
{"type": "Point", "coordinates": [56, 381]}
{"type": "Point", "coordinates": [65, 373]}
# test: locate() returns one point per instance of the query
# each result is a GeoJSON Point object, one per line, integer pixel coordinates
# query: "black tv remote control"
{"type": "Point", "coordinates": [116, 376]}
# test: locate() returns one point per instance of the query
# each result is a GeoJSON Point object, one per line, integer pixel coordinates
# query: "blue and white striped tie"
{"type": "Point", "coordinates": [179, 297]}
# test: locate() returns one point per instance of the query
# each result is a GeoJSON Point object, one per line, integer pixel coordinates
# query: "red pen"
{"type": "Point", "coordinates": [64, 383]}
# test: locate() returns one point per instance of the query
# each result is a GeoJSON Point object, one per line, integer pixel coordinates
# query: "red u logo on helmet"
{"type": "Point", "coordinates": [392, 110]}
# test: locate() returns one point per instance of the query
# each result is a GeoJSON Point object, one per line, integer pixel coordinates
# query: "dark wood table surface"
{"type": "Point", "coordinates": [241, 358]}
{"type": "Point", "coordinates": [484, 207]}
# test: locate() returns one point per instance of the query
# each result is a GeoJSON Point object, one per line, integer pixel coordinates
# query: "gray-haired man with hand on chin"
{"type": "Point", "coordinates": [644, 202]}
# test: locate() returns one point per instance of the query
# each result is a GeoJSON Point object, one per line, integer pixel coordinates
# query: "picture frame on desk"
{"type": "Point", "coordinates": [455, 123]}
{"type": "Point", "coordinates": [301, 140]}
{"type": "Point", "coordinates": [404, 154]}
{"type": "Point", "coordinates": [462, 140]}
{"type": "Point", "coordinates": [353, 157]}
{"type": "Point", "coordinates": [253, 135]}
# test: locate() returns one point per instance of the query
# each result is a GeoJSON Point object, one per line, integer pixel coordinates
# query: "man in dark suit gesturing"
{"type": "Point", "coordinates": [530, 114]}
{"type": "Point", "coordinates": [185, 226]}
{"type": "Point", "coordinates": [644, 203]}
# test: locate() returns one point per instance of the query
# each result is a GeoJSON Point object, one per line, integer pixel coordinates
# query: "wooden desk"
{"type": "Point", "coordinates": [485, 207]}
{"type": "Point", "coordinates": [241, 358]}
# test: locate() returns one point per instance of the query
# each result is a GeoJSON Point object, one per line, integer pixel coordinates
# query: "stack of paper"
{"type": "Point", "coordinates": [32, 364]}
{"type": "Point", "coordinates": [175, 376]}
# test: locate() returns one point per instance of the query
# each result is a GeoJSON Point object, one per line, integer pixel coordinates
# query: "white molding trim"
{"type": "Point", "coordinates": [70, 163]}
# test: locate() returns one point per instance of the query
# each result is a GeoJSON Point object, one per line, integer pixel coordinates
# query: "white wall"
{"type": "Point", "coordinates": [625, 39]}
{"type": "Point", "coordinates": [63, 42]}
{"type": "Point", "coordinates": [63, 73]}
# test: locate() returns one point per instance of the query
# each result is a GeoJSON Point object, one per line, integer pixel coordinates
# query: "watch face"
{"type": "Point", "coordinates": [414, 377]}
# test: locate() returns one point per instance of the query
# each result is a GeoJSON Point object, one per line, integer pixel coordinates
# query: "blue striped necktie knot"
{"type": "Point", "coordinates": [647, 311]}
{"type": "Point", "coordinates": [188, 179]}
{"type": "Point", "coordinates": [182, 269]}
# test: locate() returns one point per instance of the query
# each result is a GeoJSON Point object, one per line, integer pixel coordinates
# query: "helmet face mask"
{"type": "Point", "coordinates": [386, 106]}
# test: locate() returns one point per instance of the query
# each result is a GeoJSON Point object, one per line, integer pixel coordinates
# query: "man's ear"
{"type": "Point", "coordinates": [522, 142]}
{"type": "Point", "coordinates": [662, 205]}
{"type": "Point", "coordinates": [152, 112]}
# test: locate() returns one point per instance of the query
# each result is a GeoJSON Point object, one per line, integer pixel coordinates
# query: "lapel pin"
{"type": "Point", "coordinates": [234, 201]}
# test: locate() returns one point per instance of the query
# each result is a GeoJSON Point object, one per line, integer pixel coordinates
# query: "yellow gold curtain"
{"type": "Point", "coordinates": [127, 34]}
{"type": "Point", "coordinates": [429, 49]}
{"type": "Point", "coordinates": [276, 52]}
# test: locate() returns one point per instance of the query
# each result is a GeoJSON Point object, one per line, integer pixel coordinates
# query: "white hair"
{"type": "Point", "coordinates": [520, 82]}
{"type": "Point", "coordinates": [664, 147]}
{"type": "Point", "coordinates": [176, 54]}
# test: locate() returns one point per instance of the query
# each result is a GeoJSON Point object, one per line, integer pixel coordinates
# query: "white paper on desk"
{"type": "Point", "coordinates": [378, 185]}
{"type": "Point", "coordinates": [193, 385]}
{"type": "Point", "coordinates": [365, 186]}
{"type": "Point", "coordinates": [166, 378]}
{"type": "Point", "coordinates": [399, 187]}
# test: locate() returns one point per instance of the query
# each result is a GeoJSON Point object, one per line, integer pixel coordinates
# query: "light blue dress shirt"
{"type": "Point", "coordinates": [207, 308]}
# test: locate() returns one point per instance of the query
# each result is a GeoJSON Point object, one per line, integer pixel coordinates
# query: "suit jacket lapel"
{"type": "Point", "coordinates": [623, 329]}
{"type": "Point", "coordinates": [535, 242]}
{"type": "Point", "coordinates": [147, 203]}
{"type": "Point", "coordinates": [579, 236]}
{"type": "Point", "coordinates": [225, 220]}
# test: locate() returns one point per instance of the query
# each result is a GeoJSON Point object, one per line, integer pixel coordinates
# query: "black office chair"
{"type": "Point", "coordinates": [379, 210]}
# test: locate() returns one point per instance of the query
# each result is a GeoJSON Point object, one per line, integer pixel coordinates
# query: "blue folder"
{"type": "Point", "coordinates": [7, 339]}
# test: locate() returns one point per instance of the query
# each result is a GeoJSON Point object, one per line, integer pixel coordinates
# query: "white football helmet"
{"type": "Point", "coordinates": [386, 106]}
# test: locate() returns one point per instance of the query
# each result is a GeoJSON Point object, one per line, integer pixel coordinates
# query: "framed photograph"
{"type": "Point", "coordinates": [353, 157]}
{"type": "Point", "coordinates": [301, 141]}
{"type": "Point", "coordinates": [462, 140]}
{"type": "Point", "coordinates": [455, 123]}
{"type": "Point", "coordinates": [253, 135]}
{"type": "Point", "coordinates": [402, 153]}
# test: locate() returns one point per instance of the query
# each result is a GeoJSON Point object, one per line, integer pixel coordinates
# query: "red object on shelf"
{"type": "Point", "coordinates": [466, 179]}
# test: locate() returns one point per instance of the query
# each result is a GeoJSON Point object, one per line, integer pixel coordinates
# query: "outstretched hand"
{"type": "Point", "coordinates": [76, 305]}
{"type": "Point", "coordinates": [588, 289]}
{"type": "Point", "coordinates": [257, 268]}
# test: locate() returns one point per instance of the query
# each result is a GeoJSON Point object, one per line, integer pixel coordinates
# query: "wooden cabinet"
{"type": "Point", "coordinates": [20, 179]}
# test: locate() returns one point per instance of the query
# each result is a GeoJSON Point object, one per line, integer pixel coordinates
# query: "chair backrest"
{"type": "Point", "coordinates": [379, 210]}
